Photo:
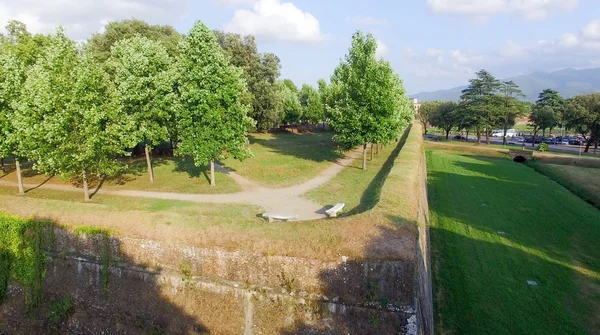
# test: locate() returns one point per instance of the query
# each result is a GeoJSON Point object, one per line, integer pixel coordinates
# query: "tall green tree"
{"type": "Point", "coordinates": [326, 101]}
{"type": "Point", "coordinates": [583, 114]}
{"type": "Point", "coordinates": [549, 101]}
{"type": "Point", "coordinates": [479, 100]}
{"type": "Point", "coordinates": [426, 111]}
{"type": "Point", "coordinates": [212, 120]}
{"type": "Point", "coordinates": [370, 104]}
{"type": "Point", "coordinates": [69, 115]}
{"type": "Point", "coordinates": [290, 84]}
{"type": "Point", "coordinates": [99, 45]}
{"type": "Point", "coordinates": [312, 105]}
{"type": "Point", "coordinates": [445, 116]}
{"type": "Point", "coordinates": [292, 109]}
{"type": "Point", "coordinates": [21, 43]}
{"type": "Point", "coordinates": [511, 106]}
{"type": "Point", "coordinates": [541, 117]}
{"type": "Point", "coordinates": [12, 76]}
{"type": "Point", "coordinates": [261, 71]}
{"type": "Point", "coordinates": [144, 76]}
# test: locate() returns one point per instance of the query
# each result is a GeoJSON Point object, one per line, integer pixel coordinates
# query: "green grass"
{"type": "Point", "coordinates": [286, 159]}
{"type": "Point", "coordinates": [177, 174]}
{"type": "Point", "coordinates": [480, 275]}
{"type": "Point", "coordinates": [357, 188]}
{"type": "Point", "coordinates": [582, 181]}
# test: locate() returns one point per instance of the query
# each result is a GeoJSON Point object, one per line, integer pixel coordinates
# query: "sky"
{"type": "Point", "coordinates": [431, 44]}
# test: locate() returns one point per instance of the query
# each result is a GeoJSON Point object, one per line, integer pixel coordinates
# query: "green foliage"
{"type": "Point", "coordinates": [370, 105]}
{"type": "Point", "coordinates": [543, 147]}
{"type": "Point", "coordinates": [91, 230]}
{"type": "Point", "coordinates": [69, 116]}
{"type": "Point", "coordinates": [99, 45]}
{"type": "Point", "coordinates": [186, 271]}
{"type": "Point", "coordinates": [212, 122]}
{"type": "Point", "coordinates": [59, 310]}
{"type": "Point", "coordinates": [21, 43]}
{"type": "Point", "coordinates": [583, 114]}
{"type": "Point", "coordinates": [445, 116]}
{"type": "Point", "coordinates": [426, 111]}
{"type": "Point", "coordinates": [103, 237]}
{"type": "Point", "coordinates": [21, 257]}
{"type": "Point", "coordinates": [12, 76]}
{"type": "Point", "coordinates": [292, 109]}
{"type": "Point", "coordinates": [312, 105]}
{"type": "Point", "coordinates": [547, 111]}
{"type": "Point", "coordinates": [290, 84]}
{"type": "Point", "coordinates": [260, 71]}
{"type": "Point", "coordinates": [143, 74]}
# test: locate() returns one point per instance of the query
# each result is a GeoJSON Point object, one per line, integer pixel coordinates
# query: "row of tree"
{"type": "Point", "coordinates": [73, 114]}
{"type": "Point", "coordinates": [488, 103]}
{"type": "Point", "coordinates": [75, 109]}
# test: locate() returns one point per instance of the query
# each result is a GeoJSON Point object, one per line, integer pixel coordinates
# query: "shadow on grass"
{"type": "Point", "coordinates": [318, 147]}
{"type": "Point", "coordinates": [113, 295]}
{"type": "Point", "coordinates": [372, 193]}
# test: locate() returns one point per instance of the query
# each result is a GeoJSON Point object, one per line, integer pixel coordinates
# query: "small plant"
{"type": "Point", "coordinates": [543, 147]}
{"type": "Point", "coordinates": [371, 290]}
{"type": "Point", "coordinates": [287, 283]}
{"type": "Point", "coordinates": [59, 310]}
{"type": "Point", "coordinates": [373, 321]}
{"type": "Point", "coordinates": [186, 271]}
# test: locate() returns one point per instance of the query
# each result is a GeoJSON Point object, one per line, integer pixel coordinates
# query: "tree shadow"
{"type": "Point", "coordinates": [186, 164]}
{"type": "Point", "coordinates": [39, 185]}
{"type": "Point", "coordinates": [107, 291]}
{"type": "Point", "coordinates": [372, 193]}
{"type": "Point", "coordinates": [316, 147]}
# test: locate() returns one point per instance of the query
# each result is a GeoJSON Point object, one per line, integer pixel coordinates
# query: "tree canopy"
{"type": "Point", "coordinates": [99, 45]}
{"type": "Point", "coordinates": [312, 105]}
{"type": "Point", "coordinates": [212, 121]}
{"type": "Point", "coordinates": [369, 99]}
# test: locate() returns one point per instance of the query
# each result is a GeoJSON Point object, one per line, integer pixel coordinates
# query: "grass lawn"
{"type": "Point", "coordinates": [286, 159]}
{"type": "Point", "coordinates": [582, 181]}
{"type": "Point", "coordinates": [170, 175]}
{"type": "Point", "coordinates": [358, 189]}
{"type": "Point", "coordinates": [495, 225]}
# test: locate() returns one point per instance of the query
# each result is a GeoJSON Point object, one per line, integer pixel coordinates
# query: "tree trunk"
{"type": "Point", "coordinates": [212, 173]}
{"type": "Point", "coordinates": [364, 167]}
{"type": "Point", "coordinates": [425, 127]}
{"type": "Point", "coordinates": [323, 126]}
{"type": "Point", "coordinates": [533, 139]}
{"type": "Point", "coordinates": [467, 136]}
{"type": "Point", "coordinates": [371, 151]}
{"type": "Point", "coordinates": [478, 136]}
{"type": "Point", "coordinates": [544, 132]}
{"type": "Point", "coordinates": [587, 145]}
{"type": "Point", "coordinates": [149, 163]}
{"type": "Point", "coordinates": [504, 137]}
{"type": "Point", "coordinates": [377, 148]}
{"type": "Point", "coordinates": [487, 135]}
{"type": "Point", "coordinates": [2, 161]}
{"type": "Point", "coordinates": [596, 144]}
{"type": "Point", "coordinates": [447, 133]}
{"type": "Point", "coordinates": [86, 192]}
{"type": "Point", "coordinates": [19, 178]}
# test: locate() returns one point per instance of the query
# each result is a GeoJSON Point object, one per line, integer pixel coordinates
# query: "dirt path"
{"type": "Point", "coordinates": [286, 200]}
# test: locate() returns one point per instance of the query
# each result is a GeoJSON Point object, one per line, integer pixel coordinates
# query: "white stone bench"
{"type": "Point", "coordinates": [283, 217]}
{"type": "Point", "coordinates": [333, 211]}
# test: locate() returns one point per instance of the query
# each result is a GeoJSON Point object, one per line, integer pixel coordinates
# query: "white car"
{"type": "Point", "coordinates": [500, 133]}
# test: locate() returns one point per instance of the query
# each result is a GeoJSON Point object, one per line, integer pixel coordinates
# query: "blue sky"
{"type": "Point", "coordinates": [432, 44]}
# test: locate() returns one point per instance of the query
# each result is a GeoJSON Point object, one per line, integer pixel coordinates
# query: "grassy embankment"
{"type": "Point", "coordinates": [497, 225]}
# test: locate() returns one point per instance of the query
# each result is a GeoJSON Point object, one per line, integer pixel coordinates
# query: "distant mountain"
{"type": "Point", "coordinates": [569, 82]}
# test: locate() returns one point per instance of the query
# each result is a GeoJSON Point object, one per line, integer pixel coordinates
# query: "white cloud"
{"type": "Point", "coordinates": [382, 49]}
{"type": "Point", "coordinates": [234, 3]}
{"type": "Point", "coordinates": [83, 17]}
{"type": "Point", "coordinates": [274, 20]}
{"type": "Point", "coordinates": [479, 11]}
{"type": "Point", "coordinates": [368, 21]}
{"type": "Point", "coordinates": [592, 30]}
{"type": "Point", "coordinates": [569, 50]}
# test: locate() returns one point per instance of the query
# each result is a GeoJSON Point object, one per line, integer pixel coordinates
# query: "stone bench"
{"type": "Point", "coordinates": [282, 217]}
{"type": "Point", "coordinates": [332, 212]}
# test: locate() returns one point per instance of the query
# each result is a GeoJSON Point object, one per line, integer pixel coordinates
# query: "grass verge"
{"type": "Point", "coordinates": [286, 159]}
{"type": "Point", "coordinates": [497, 225]}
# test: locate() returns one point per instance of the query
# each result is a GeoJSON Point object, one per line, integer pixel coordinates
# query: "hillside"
{"type": "Point", "coordinates": [569, 82]}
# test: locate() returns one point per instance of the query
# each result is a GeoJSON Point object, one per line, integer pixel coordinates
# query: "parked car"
{"type": "Point", "coordinates": [547, 140]}
{"type": "Point", "coordinates": [459, 137]}
{"type": "Point", "coordinates": [564, 141]}
{"type": "Point", "coordinates": [575, 141]}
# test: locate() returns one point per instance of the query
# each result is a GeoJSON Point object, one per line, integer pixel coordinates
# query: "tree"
{"type": "Point", "coordinates": [552, 99]}
{"type": "Point", "coordinates": [99, 45]}
{"type": "Point", "coordinates": [292, 109]}
{"type": "Point", "coordinates": [583, 114]}
{"type": "Point", "coordinates": [312, 106]}
{"type": "Point", "coordinates": [445, 116]}
{"type": "Point", "coordinates": [479, 100]}
{"type": "Point", "coordinates": [512, 107]}
{"type": "Point", "coordinates": [370, 104]}
{"type": "Point", "coordinates": [325, 94]}
{"type": "Point", "coordinates": [541, 117]}
{"type": "Point", "coordinates": [143, 74]}
{"type": "Point", "coordinates": [290, 84]}
{"type": "Point", "coordinates": [12, 76]}
{"type": "Point", "coordinates": [24, 46]}
{"type": "Point", "coordinates": [69, 115]}
{"type": "Point", "coordinates": [426, 111]}
{"type": "Point", "coordinates": [212, 121]}
{"type": "Point", "coordinates": [261, 71]}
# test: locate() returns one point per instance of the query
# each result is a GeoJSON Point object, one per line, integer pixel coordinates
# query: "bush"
{"type": "Point", "coordinates": [59, 310]}
{"type": "Point", "coordinates": [543, 147]}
